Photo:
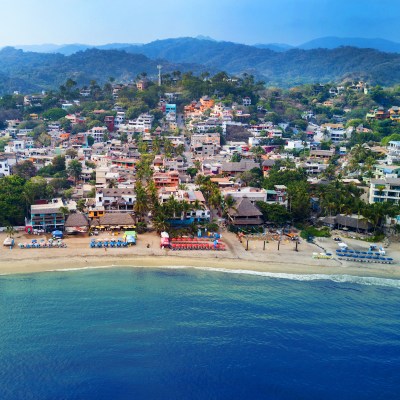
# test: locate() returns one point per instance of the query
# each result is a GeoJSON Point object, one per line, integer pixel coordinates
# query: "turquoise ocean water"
{"type": "Point", "coordinates": [196, 334]}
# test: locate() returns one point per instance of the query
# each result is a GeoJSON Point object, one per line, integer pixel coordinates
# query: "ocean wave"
{"type": "Point", "coordinates": [338, 278]}
{"type": "Point", "coordinates": [360, 280]}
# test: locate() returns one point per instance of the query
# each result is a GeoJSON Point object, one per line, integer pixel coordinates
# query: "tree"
{"type": "Point", "coordinates": [236, 157]}
{"type": "Point", "coordinates": [191, 171]}
{"type": "Point", "coordinates": [54, 114]}
{"type": "Point", "coordinates": [10, 231]}
{"type": "Point", "coordinates": [141, 204]}
{"type": "Point", "coordinates": [13, 206]}
{"type": "Point", "coordinates": [25, 169]}
{"type": "Point", "coordinates": [64, 211]}
{"type": "Point", "coordinates": [275, 213]}
{"type": "Point", "coordinates": [90, 140]}
{"type": "Point", "coordinates": [71, 153]}
{"type": "Point", "coordinates": [80, 205]}
{"type": "Point", "coordinates": [74, 169]}
{"type": "Point", "coordinates": [37, 188]}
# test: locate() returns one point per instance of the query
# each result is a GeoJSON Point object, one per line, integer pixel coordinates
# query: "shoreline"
{"type": "Point", "coordinates": [256, 257]}
{"type": "Point", "coordinates": [63, 264]}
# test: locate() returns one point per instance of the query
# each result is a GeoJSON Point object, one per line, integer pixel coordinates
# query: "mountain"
{"type": "Point", "coordinates": [362, 43]}
{"type": "Point", "coordinates": [30, 72]}
{"type": "Point", "coordinates": [68, 49]}
{"type": "Point", "coordinates": [274, 46]}
{"type": "Point", "coordinates": [291, 67]}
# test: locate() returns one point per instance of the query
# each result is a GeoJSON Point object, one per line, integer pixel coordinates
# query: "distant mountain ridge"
{"type": "Point", "coordinates": [30, 71]}
{"type": "Point", "coordinates": [329, 42]}
{"type": "Point", "coordinates": [333, 42]}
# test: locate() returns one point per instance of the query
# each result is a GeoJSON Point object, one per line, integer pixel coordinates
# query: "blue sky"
{"type": "Point", "coordinates": [244, 21]}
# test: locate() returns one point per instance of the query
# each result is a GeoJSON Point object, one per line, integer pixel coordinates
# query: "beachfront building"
{"type": "Point", "coordinates": [114, 221]}
{"type": "Point", "coordinates": [48, 217]}
{"type": "Point", "coordinates": [116, 200]}
{"type": "Point", "coordinates": [245, 214]}
{"type": "Point", "coordinates": [76, 223]}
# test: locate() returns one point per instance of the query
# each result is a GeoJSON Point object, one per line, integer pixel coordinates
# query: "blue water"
{"type": "Point", "coordinates": [190, 334]}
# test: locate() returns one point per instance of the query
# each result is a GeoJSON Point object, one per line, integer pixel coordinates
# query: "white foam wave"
{"type": "Point", "coordinates": [338, 278]}
{"type": "Point", "coordinates": [360, 280]}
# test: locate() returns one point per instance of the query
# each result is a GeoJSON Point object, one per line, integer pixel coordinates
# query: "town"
{"type": "Point", "coordinates": [194, 156]}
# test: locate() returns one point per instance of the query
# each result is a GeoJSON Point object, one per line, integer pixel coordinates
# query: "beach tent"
{"type": "Point", "coordinates": [130, 233]}
{"type": "Point", "coordinates": [57, 234]}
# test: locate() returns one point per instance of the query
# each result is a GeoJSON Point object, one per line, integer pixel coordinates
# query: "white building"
{"type": "Point", "coordinates": [384, 190]}
{"type": "Point", "coordinates": [393, 154]}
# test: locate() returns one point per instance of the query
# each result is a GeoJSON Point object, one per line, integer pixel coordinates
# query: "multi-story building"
{"type": "Point", "coordinates": [393, 154]}
{"type": "Point", "coordinates": [384, 190]}
{"type": "Point", "coordinates": [98, 133]}
{"type": "Point", "coordinates": [48, 217]}
{"type": "Point", "coordinates": [115, 199]}
{"type": "Point", "coordinates": [166, 179]}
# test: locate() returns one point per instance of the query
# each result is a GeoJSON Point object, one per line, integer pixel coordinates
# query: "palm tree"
{"type": "Point", "coordinates": [141, 203]}
{"type": "Point", "coordinates": [10, 231]}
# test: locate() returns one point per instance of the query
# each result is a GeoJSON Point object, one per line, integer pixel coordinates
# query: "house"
{"type": "Point", "coordinates": [142, 84]}
{"type": "Point", "coordinates": [115, 199]}
{"type": "Point", "coordinates": [246, 101]}
{"type": "Point", "coordinates": [245, 213]}
{"type": "Point", "coordinates": [322, 154]}
{"type": "Point", "coordinates": [267, 165]}
{"type": "Point", "coordinates": [234, 168]}
{"type": "Point", "coordinates": [76, 223]}
{"type": "Point", "coordinates": [166, 179]}
{"type": "Point", "coordinates": [393, 155]}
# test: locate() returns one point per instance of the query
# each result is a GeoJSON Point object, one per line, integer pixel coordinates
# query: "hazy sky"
{"type": "Point", "coordinates": [244, 21]}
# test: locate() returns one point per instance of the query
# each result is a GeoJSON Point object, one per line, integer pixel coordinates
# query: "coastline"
{"type": "Point", "coordinates": [78, 255]}
{"type": "Point", "coordinates": [54, 264]}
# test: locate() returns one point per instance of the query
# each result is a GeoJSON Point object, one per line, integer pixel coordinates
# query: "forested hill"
{"type": "Point", "coordinates": [29, 71]}
{"type": "Point", "coordinates": [286, 68]}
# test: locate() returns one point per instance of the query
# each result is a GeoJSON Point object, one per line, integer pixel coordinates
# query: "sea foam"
{"type": "Point", "coordinates": [338, 278]}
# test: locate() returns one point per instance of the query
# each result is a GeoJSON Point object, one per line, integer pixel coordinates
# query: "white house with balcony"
{"type": "Point", "coordinates": [384, 190]}
{"type": "Point", "coordinates": [393, 155]}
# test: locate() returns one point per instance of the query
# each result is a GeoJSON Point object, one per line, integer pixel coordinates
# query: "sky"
{"type": "Point", "coordinates": [294, 22]}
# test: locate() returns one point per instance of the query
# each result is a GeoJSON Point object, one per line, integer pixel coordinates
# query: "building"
{"type": "Point", "coordinates": [143, 123]}
{"type": "Point", "coordinates": [115, 199]}
{"type": "Point", "coordinates": [5, 169]}
{"type": "Point", "coordinates": [393, 155]}
{"type": "Point", "coordinates": [166, 179]}
{"type": "Point", "coordinates": [245, 213]}
{"type": "Point", "coordinates": [384, 190]}
{"type": "Point", "coordinates": [234, 168]}
{"type": "Point", "coordinates": [48, 217]}
{"type": "Point", "coordinates": [97, 133]}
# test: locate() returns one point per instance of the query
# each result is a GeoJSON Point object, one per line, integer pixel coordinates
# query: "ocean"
{"type": "Point", "coordinates": [135, 333]}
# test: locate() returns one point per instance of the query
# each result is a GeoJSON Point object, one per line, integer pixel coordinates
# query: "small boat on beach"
{"type": "Point", "coordinates": [9, 242]}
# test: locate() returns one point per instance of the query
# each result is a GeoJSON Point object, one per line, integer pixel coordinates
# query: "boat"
{"type": "Point", "coordinates": [9, 242]}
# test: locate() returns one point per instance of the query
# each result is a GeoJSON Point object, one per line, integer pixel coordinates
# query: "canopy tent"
{"type": "Point", "coordinates": [130, 233]}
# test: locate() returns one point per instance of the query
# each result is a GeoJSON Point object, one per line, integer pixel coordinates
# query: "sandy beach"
{"type": "Point", "coordinates": [78, 254]}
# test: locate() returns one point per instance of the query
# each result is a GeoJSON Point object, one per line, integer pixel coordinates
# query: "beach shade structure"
{"type": "Point", "coordinates": [130, 240]}
{"type": "Point", "coordinates": [57, 234]}
{"type": "Point", "coordinates": [343, 245]}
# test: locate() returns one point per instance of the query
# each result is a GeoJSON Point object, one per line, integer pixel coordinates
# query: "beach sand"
{"type": "Point", "coordinates": [78, 254]}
